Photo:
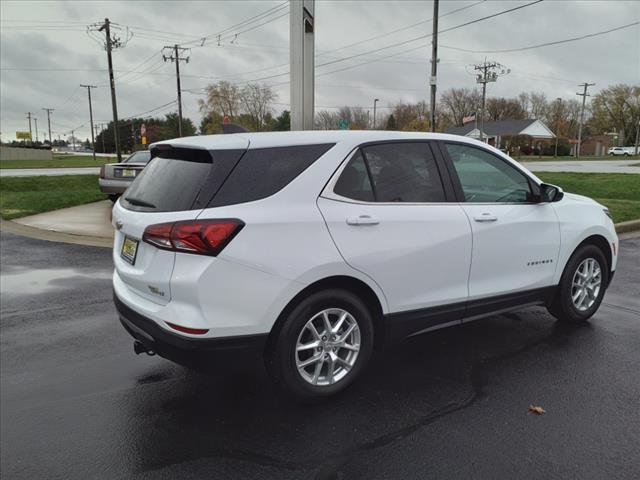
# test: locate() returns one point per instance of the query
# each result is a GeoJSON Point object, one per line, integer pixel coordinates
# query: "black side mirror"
{"type": "Point", "coordinates": [550, 193]}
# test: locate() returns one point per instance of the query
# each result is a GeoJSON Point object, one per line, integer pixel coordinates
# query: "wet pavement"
{"type": "Point", "coordinates": [77, 403]}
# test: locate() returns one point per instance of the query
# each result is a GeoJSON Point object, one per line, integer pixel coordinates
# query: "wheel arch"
{"type": "Point", "coordinates": [602, 243]}
{"type": "Point", "coordinates": [345, 282]}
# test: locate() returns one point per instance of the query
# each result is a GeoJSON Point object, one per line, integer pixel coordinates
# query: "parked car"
{"type": "Point", "coordinates": [115, 178]}
{"type": "Point", "coordinates": [309, 248]}
{"type": "Point", "coordinates": [626, 151]}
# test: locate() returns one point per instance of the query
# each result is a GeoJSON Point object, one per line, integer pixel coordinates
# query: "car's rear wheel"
{"type": "Point", "coordinates": [582, 285]}
{"type": "Point", "coordinates": [323, 345]}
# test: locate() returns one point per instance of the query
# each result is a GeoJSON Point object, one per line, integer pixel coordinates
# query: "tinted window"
{"type": "Point", "coordinates": [264, 171]}
{"type": "Point", "coordinates": [354, 180]}
{"type": "Point", "coordinates": [487, 178]}
{"type": "Point", "coordinates": [404, 172]}
{"type": "Point", "coordinates": [180, 179]}
{"type": "Point", "coordinates": [142, 156]}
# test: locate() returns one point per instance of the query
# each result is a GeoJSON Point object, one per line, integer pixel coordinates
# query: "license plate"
{"type": "Point", "coordinates": [129, 250]}
{"type": "Point", "coordinates": [128, 173]}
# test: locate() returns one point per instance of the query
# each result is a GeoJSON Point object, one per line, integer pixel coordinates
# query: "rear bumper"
{"type": "Point", "coordinates": [111, 186]}
{"type": "Point", "coordinates": [197, 353]}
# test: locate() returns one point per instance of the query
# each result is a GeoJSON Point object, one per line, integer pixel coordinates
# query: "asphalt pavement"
{"type": "Point", "coordinates": [75, 402]}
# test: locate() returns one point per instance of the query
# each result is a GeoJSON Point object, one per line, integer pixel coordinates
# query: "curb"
{"type": "Point", "coordinates": [53, 236]}
{"type": "Point", "coordinates": [625, 227]}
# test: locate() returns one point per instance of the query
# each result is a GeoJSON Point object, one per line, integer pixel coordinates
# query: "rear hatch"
{"type": "Point", "coordinates": [175, 185]}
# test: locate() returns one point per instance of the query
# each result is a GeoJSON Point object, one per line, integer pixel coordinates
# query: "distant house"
{"type": "Point", "coordinates": [494, 132]}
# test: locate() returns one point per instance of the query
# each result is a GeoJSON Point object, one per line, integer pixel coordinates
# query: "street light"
{"type": "Point", "coordinates": [557, 126]}
{"type": "Point", "coordinates": [375, 101]}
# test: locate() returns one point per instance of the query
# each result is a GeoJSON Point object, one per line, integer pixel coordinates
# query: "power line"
{"type": "Point", "coordinates": [546, 44]}
{"type": "Point", "coordinates": [421, 37]}
{"type": "Point", "coordinates": [422, 22]}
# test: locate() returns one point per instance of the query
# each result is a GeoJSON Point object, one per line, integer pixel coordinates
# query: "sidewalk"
{"type": "Point", "coordinates": [92, 220]}
{"type": "Point", "coordinates": [584, 166]}
{"type": "Point", "coordinates": [32, 172]}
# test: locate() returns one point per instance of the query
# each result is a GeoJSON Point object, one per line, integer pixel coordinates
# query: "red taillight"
{"type": "Point", "coordinates": [204, 237]}
{"type": "Point", "coordinates": [102, 171]}
{"type": "Point", "coordinates": [192, 331]}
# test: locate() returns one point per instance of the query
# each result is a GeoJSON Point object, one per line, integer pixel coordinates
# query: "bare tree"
{"type": "Point", "coordinates": [501, 108]}
{"type": "Point", "coordinates": [459, 102]}
{"type": "Point", "coordinates": [257, 100]}
{"type": "Point", "coordinates": [538, 105]}
{"type": "Point", "coordinates": [326, 120]}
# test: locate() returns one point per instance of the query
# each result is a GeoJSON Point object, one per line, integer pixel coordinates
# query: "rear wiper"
{"type": "Point", "coordinates": [139, 202]}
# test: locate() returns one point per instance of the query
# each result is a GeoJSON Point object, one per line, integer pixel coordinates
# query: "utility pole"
{"type": "Point", "coordinates": [111, 44]}
{"type": "Point", "coordinates": [637, 137]}
{"type": "Point", "coordinates": [375, 101]}
{"type": "Point", "coordinates": [555, 154]}
{"type": "Point", "coordinates": [102, 131]}
{"type": "Point", "coordinates": [73, 139]}
{"type": "Point", "coordinates": [49, 110]}
{"type": "Point", "coordinates": [93, 142]}
{"type": "Point", "coordinates": [490, 71]}
{"type": "Point", "coordinates": [30, 132]}
{"type": "Point", "coordinates": [177, 54]}
{"type": "Point", "coordinates": [584, 96]}
{"type": "Point", "coordinates": [434, 64]}
{"type": "Point", "coordinates": [36, 122]}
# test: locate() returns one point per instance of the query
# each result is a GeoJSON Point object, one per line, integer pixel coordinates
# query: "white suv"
{"type": "Point", "coordinates": [310, 247]}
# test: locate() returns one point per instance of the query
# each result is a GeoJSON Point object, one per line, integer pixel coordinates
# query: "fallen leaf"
{"type": "Point", "coordinates": [537, 410]}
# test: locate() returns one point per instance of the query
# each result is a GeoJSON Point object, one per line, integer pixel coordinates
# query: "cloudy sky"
{"type": "Point", "coordinates": [372, 50]}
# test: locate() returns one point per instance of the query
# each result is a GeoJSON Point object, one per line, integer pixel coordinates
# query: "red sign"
{"type": "Point", "coordinates": [143, 130]}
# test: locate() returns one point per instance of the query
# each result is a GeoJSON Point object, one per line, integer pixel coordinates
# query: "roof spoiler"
{"type": "Point", "coordinates": [233, 128]}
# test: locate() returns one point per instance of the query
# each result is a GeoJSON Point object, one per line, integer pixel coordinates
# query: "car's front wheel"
{"type": "Point", "coordinates": [582, 285]}
{"type": "Point", "coordinates": [323, 345]}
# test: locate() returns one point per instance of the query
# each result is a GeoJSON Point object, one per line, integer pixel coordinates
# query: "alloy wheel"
{"type": "Point", "coordinates": [327, 347]}
{"type": "Point", "coordinates": [586, 284]}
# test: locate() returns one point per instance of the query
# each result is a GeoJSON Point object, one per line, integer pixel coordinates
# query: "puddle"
{"type": "Point", "coordinates": [35, 281]}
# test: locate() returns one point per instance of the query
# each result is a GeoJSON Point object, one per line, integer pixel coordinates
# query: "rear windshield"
{"type": "Point", "coordinates": [142, 156]}
{"type": "Point", "coordinates": [188, 179]}
{"type": "Point", "coordinates": [180, 179]}
{"type": "Point", "coordinates": [265, 171]}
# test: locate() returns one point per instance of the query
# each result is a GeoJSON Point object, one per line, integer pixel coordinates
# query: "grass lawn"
{"type": "Point", "coordinates": [534, 158]}
{"type": "Point", "coordinates": [59, 161]}
{"type": "Point", "coordinates": [22, 196]}
{"type": "Point", "coordinates": [618, 191]}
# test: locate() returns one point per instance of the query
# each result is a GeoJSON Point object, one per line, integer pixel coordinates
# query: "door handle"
{"type": "Point", "coordinates": [485, 217]}
{"type": "Point", "coordinates": [362, 220]}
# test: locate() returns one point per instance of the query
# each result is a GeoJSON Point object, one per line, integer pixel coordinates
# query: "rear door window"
{"type": "Point", "coordinates": [180, 179]}
{"type": "Point", "coordinates": [264, 171]}
{"type": "Point", "coordinates": [392, 172]}
{"type": "Point", "coordinates": [354, 181]}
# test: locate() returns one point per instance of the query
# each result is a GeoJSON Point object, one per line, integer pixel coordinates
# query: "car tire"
{"type": "Point", "coordinates": [114, 197]}
{"type": "Point", "coordinates": [582, 286]}
{"type": "Point", "coordinates": [285, 359]}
